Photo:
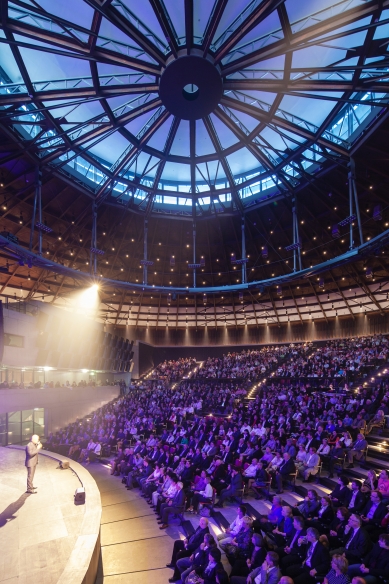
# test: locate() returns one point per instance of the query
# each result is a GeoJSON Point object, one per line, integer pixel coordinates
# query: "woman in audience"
{"type": "Point", "coordinates": [338, 572]}
{"type": "Point", "coordinates": [243, 566]}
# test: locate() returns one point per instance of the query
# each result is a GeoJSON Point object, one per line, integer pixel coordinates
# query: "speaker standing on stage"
{"type": "Point", "coordinates": [32, 450]}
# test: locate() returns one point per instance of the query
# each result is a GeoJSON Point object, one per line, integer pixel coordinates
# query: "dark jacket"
{"type": "Point", "coordinates": [179, 499]}
{"type": "Point", "coordinates": [290, 538]}
{"type": "Point", "coordinates": [196, 539]}
{"type": "Point", "coordinates": [342, 494]}
{"type": "Point", "coordinates": [320, 560]}
{"type": "Point", "coordinates": [287, 467]}
{"type": "Point", "coordinates": [377, 560]}
{"type": "Point", "coordinates": [359, 544]}
{"type": "Point", "coordinates": [326, 517]}
{"type": "Point", "coordinates": [210, 577]}
{"type": "Point", "coordinates": [359, 503]}
{"type": "Point", "coordinates": [379, 513]}
{"type": "Point", "coordinates": [236, 483]}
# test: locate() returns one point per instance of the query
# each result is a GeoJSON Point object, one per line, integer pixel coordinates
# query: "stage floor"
{"type": "Point", "coordinates": [37, 532]}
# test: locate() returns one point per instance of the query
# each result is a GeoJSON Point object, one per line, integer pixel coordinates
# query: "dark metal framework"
{"type": "Point", "coordinates": [242, 48]}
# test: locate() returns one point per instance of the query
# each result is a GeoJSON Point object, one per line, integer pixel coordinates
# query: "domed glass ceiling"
{"type": "Point", "coordinates": [197, 105]}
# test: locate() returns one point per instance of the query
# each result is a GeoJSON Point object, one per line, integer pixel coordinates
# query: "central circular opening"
{"type": "Point", "coordinates": [190, 91]}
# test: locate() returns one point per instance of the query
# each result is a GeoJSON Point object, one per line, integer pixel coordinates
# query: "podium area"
{"type": "Point", "coordinates": [45, 538]}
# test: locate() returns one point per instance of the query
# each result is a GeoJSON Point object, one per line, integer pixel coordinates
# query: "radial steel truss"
{"type": "Point", "coordinates": [261, 54]}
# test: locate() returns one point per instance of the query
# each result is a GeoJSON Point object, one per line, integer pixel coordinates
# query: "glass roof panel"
{"type": "Point", "coordinates": [203, 141]}
{"type": "Point", "coordinates": [158, 140]}
{"type": "Point", "coordinates": [201, 12]}
{"type": "Point", "coordinates": [176, 172]}
{"type": "Point", "coordinates": [306, 109]}
{"type": "Point", "coordinates": [71, 10]}
{"type": "Point", "coordinates": [242, 161]}
{"type": "Point", "coordinates": [226, 136]}
{"type": "Point", "coordinates": [46, 67]}
{"type": "Point", "coordinates": [181, 144]}
{"type": "Point", "coordinates": [144, 12]}
{"type": "Point", "coordinates": [131, 55]}
{"type": "Point", "coordinates": [110, 148]}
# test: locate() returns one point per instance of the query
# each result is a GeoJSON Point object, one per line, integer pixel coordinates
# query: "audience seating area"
{"type": "Point", "coordinates": [302, 468]}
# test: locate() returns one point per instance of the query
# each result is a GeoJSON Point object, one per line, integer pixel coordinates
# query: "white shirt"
{"type": "Point", "coordinates": [236, 525]}
{"type": "Point", "coordinates": [208, 491]}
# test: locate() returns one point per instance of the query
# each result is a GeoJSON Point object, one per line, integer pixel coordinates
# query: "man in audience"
{"type": "Point", "coordinates": [286, 468]}
{"type": "Point", "coordinates": [311, 466]}
{"type": "Point", "coordinates": [316, 560]}
{"type": "Point", "coordinates": [173, 506]}
{"type": "Point", "coordinates": [375, 564]}
{"type": "Point", "coordinates": [357, 451]}
{"type": "Point", "coordinates": [268, 573]}
{"type": "Point", "coordinates": [184, 548]}
{"type": "Point", "coordinates": [233, 489]}
{"type": "Point", "coordinates": [225, 537]}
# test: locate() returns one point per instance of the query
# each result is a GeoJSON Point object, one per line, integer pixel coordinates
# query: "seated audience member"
{"type": "Point", "coordinates": [310, 504]}
{"type": "Point", "coordinates": [373, 513]}
{"type": "Point", "coordinates": [196, 562]}
{"type": "Point", "coordinates": [209, 573]}
{"type": "Point", "coordinates": [341, 495]}
{"type": "Point", "coordinates": [183, 548]}
{"type": "Point", "coordinates": [233, 489]}
{"type": "Point", "coordinates": [284, 470]}
{"type": "Point", "coordinates": [356, 540]}
{"type": "Point", "coordinates": [316, 560]}
{"type": "Point", "coordinates": [374, 566]}
{"type": "Point", "coordinates": [204, 496]}
{"type": "Point", "coordinates": [240, 545]}
{"type": "Point", "coordinates": [383, 485]}
{"type": "Point", "coordinates": [228, 535]}
{"type": "Point", "coordinates": [291, 552]}
{"type": "Point", "coordinates": [311, 465]}
{"type": "Point", "coordinates": [261, 480]}
{"type": "Point", "coordinates": [338, 573]}
{"type": "Point", "coordinates": [284, 526]}
{"type": "Point", "coordinates": [358, 499]}
{"type": "Point", "coordinates": [323, 515]}
{"type": "Point", "coordinates": [336, 530]}
{"type": "Point", "coordinates": [269, 572]}
{"type": "Point", "coordinates": [243, 566]}
{"type": "Point", "coordinates": [172, 506]}
{"type": "Point", "coordinates": [377, 421]}
{"type": "Point", "coordinates": [335, 457]}
{"type": "Point", "coordinates": [357, 450]}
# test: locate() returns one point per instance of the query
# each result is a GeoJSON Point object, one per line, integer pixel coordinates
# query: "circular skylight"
{"type": "Point", "coordinates": [192, 106]}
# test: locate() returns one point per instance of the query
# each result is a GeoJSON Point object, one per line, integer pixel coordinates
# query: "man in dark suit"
{"type": "Point", "coordinates": [269, 571]}
{"type": "Point", "coordinates": [373, 512]}
{"type": "Point", "coordinates": [292, 552]}
{"type": "Point", "coordinates": [233, 488]}
{"type": "Point", "coordinates": [208, 574]}
{"type": "Point", "coordinates": [183, 548]}
{"type": "Point", "coordinates": [357, 541]}
{"type": "Point", "coordinates": [375, 564]}
{"type": "Point", "coordinates": [357, 499]}
{"type": "Point", "coordinates": [286, 468]}
{"type": "Point", "coordinates": [316, 561]}
{"type": "Point", "coordinates": [357, 451]}
{"type": "Point", "coordinates": [31, 462]}
{"type": "Point", "coordinates": [174, 506]}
